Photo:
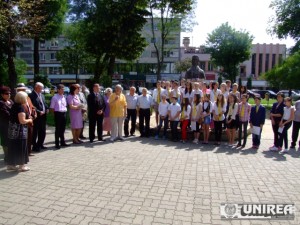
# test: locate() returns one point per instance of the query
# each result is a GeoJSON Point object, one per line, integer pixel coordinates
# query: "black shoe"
{"type": "Point", "coordinates": [57, 146]}
{"type": "Point", "coordinates": [292, 146]}
{"type": "Point", "coordinates": [132, 134]}
{"type": "Point", "coordinates": [101, 139]}
{"type": "Point", "coordinates": [36, 149]}
{"type": "Point", "coordinates": [65, 145]}
{"type": "Point", "coordinates": [44, 147]}
{"type": "Point", "coordinates": [126, 135]}
{"type": "Point", "coordinates": [82, 137]}
{"type": "Point", "coordinates": [91, 141]}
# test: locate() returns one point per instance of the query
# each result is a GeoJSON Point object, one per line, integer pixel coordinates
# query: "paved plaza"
{"type": "Point", "coordinates": [145, 181]}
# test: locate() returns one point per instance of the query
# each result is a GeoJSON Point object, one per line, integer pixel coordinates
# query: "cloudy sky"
{"type": "Point", "coordinates": [249, 15]}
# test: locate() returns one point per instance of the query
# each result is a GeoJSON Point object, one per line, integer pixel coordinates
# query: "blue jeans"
{"type": "Point", "coordinates": [165, 120]}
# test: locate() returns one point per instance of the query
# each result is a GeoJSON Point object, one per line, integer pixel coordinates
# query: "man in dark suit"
{"type": "Point", "coordinates": [39, 124]}
{"type": "Point", "coordinates": [96, 106]}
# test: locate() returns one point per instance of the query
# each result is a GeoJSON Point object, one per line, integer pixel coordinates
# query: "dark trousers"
{"type": "Point", "coordinates": [131, 115]}
{"type": "Point", "coordinates": [29, 139]}
{"type": "Point", "coordinates": [81, 133]}
{"type": "Point", "coordinates": [60, 127]}
{"type": "Point", "coordinates": [256, 139]}
{"type": "Point", "coordinates": [276, 136]}
{"type": "Point", "coordinates": [218, 130]}
{"type": "Point", "coordinates": [174, 132]}
{"type": "Point", "coordinates": [39, 132]}
{"type": "Point", "coordinates": [144, 117]}
{"type": "Point", "coordinates": [295, 133]}
{"type": "Point", "coordinates": [283, 136]}
{"type": "Point", "coordinates": [98, 119]}
{"type": "Point", "coordinates": [243, 128]}
{"type": "Point", "coordinates": [165, 120]}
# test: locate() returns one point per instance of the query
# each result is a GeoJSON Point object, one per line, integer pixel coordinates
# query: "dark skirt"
{"type": "Point", "coordinates": [232, 124]}
{"type": "Point", "coordinates": [3, 134]}
{"type": "Point", "coordinates": [17, 152]}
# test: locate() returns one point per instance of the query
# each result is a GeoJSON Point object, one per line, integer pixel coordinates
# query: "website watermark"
{"type": "Point", "coordinates": [258, 211]}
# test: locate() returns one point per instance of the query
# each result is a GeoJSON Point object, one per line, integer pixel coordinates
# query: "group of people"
{"type": "Point", "coordinates": [194, 105]}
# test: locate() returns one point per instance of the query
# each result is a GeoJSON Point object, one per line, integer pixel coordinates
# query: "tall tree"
{"type": "Point", "coordinates": [52, 13]}
{"type": "Point", "coordinates": [166, 17]}
{"type": "Point", "coordinates": [74, 57]}
{"type": "Point", "coordinates": [286, 20]}
{"type": "Point", "coordinates": [287, 74]}
{"type": "Point", "coordinates": [111, 30]}
{"type": "Point", "coordinates": [228, 48]}
{"type": "Point", "coordinates": [14, 21]}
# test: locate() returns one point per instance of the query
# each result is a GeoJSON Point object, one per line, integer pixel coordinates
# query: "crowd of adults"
{"type": "Point", "coordinates": [194, 105]}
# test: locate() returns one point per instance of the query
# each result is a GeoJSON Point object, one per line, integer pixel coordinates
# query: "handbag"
{"type": "Point", "coordinates": [17, 131]}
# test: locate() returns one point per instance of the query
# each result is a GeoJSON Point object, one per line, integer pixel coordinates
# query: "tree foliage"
{"type": "Point", "coordinates": [228, 48]}
{"type": "Point", "coordinates": [111, 30]}
{"type": "Point", "coordinates": [184, 65]}
{"type": "Point", "coordinates": [286, 75]}
{"type": "Point", "coordinates": [166, 16]}
{"type": "Point", "coordinates": [286, 20]}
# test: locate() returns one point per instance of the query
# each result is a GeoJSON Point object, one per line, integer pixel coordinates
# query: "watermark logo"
{"type": "Point", "coordinates": [258, 211]}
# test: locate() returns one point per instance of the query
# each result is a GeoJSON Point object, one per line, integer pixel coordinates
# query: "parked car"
{"type": "Point", "coordinates": [262, 93]}
{"type": "Point", "coordinates": [28, 90]}
{"type": "Point", "coordinates": [66, 90]}
{"type": "Point", "coordinates": [251, 94]}
{"type": "Point", "coordinates": [295, 96]}
{"type": "Point", "coordinates": [46, 90]}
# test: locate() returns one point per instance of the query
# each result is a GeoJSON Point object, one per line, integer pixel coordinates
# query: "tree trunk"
{"type": "Point", "coordinates": [97, 69]}
{"type": "Point", "coordinates": [36, 56]}
{"type": "Point", "coordinates": [12, 73]}
{"type": "Point", "coordinates": [110, 69]}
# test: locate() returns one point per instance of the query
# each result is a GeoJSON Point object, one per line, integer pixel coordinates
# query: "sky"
{"type": "Point", "coordinates": [249, 15]}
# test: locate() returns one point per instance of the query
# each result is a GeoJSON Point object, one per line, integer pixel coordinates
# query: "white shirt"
{"type": "Point", "coordinates": [188, 95]}
{"type": "Point", "coordinates": [196, 115]}
{"type": "Point", "coordinates": [214, 94]}
{"type": "Point", "coordinates": [216, 111]}
{"type": "Point", "coordinates": [174, 109]}
{"type": "Point", "coordinates": [163, 108]}
{"type": "Point", "coordinates": [234, 112]}
{"type": "Point", "coordinates": [204, 108]}
{"type": "Point", "coordinates": [287, 112]}
{"type": "Point", "coordinates": [186, 113]}
{"type": "Point", "coordinates": [145, 102]}
{"type": "Point", "coordinates": [131, 101]}
{"type": "Point", "coordinates": [195, 92]}
{"type": "Point", "coordinates": [155, 93]}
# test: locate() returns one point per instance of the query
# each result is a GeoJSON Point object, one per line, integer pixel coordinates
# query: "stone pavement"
{"type": "Point", "coordinates": [143, 181]}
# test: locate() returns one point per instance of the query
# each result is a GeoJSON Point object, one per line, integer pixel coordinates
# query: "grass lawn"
{"type": "Point", "coordinates": [265, 103]}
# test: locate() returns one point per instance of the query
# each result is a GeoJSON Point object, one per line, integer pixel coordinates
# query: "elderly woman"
{"type": "Point", "coordinates": [17, 135]}
{"type": "Point", "coordinates": [118, 109]}
{"type": "Point", "coordinates": [75, 113]}
{"type": "Point", "coordinates": [107, 121]}
{"type": "Point", "coordinates": [5, 106]}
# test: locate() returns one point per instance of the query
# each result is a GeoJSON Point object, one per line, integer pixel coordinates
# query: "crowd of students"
{"type": "Point", "coordinates": [191, 105]}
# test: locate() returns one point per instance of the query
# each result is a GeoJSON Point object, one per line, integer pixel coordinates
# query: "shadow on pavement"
{"type": "Point", "coordinates": [275, 155]}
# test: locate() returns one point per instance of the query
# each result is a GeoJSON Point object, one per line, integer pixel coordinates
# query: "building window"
{"type": "Point", "coordinates": [42, 44]}
{"type": "Point", "coordinates": [260, 64]}
{"type": "Point", "coordinates": [42, 57]}
{"type": "Point", "coordinates": [55, 70]}
{"type": "Point", "coordinates": [273, 60]}
{"type": "Point", "coordinates": [153, 40]}
{"type": "Point", "coordinates": [280, 59]}
{"type": "Point", "coordinates": [253, 66]}
{"type": "Point", "coordinates": [210, 66]}
{"type": "Point", "coordinates": [153, 54]}
{"type": "Point", "coordinates": [53, 56]}
{"type": "Point", "coordinates": [267, 62]}
{"type": "Point", "coordinates": [54, 43]}
{"type": "Point", "coordinates": [202, 65]}
{"type": "Point", "coordinates": [170, 41]}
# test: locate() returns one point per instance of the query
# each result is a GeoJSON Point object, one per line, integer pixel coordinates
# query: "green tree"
{"type": "Point", "coordinates": [183, 66]}
{"type": "Point", "coordinates": [286, 75]}
{"type": "Point", "coordinates": [286, 20]}
{"type": "Point", "coordinates": [166, 17]}
{"type": "Point", "coordinates": [228, 48]}
{"type": "Point", "coordinates": [111, 30]}
{"type": "Point", "coordinates": [74, 57]}
{"type": "Point", "coordinates": [52, 13]}
{"type": "Point", "coordinates": [21, 68]}
{"type": "Point", "coordinates": [14, 22]}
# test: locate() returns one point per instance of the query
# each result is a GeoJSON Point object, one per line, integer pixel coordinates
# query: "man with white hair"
{"type": "Point", "coordinates": [131, 100]}
{"type": "Point", "coordinates": [39, 124]}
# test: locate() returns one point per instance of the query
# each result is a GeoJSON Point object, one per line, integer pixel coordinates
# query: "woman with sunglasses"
{"type": "Point", "coordinates": [5, 106]}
